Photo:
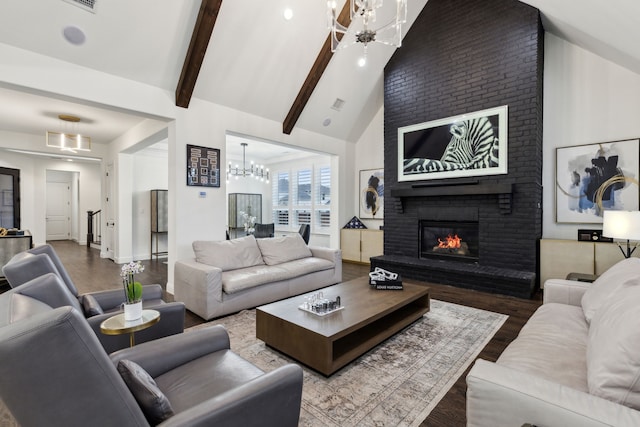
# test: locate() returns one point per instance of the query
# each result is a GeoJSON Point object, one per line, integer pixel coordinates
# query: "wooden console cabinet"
{"type": "Point", "coordinates": [11, 245]}
{"type": "Point", "coordinates": [359, 245]}
{"type": "Point", "coordinates": [558, 258]}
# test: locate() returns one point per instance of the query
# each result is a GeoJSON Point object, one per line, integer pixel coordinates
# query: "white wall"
{"type": "Point", "coordinates": [587, 99]}
{"type": "Point", "coordinates": [149, 173]}
{"type": "Point", "coordinates": [369, 155]}
{"type": "Point", "coordinates": [121, 154]}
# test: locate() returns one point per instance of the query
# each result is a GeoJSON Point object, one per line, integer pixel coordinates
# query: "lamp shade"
{"type": "Point", "coordinates": [621, 224]}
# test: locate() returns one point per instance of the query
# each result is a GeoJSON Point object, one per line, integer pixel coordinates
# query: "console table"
{"type": "Point", "coordinates": [559, 258]}
{"type": "Point", "coordinates": [359, 245]}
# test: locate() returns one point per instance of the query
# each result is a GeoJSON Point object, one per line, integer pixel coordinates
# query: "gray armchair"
{"type": "Point", "coordinates": [32, 263]}
{"type": "Point", "coordinates": [96, 306]}
{"type": "Point", "coordinates": [54, 371]}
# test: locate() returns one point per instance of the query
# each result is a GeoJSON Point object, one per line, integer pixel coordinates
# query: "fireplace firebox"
{"type": "Point", "coordinates": [451, 240]}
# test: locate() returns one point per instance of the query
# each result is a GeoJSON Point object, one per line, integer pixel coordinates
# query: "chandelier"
{"type": "Point", "coordinates": [258, 172]}
{"type": "Point", "coordinates": [363, 15]}
{"type": "Point", "coordinates": [69, 138]}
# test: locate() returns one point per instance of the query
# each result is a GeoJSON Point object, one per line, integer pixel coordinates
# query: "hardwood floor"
{"type": "Point", "coordinates": [92, 273]}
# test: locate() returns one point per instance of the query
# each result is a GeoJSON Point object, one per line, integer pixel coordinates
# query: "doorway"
{"type": "Point", "coordinates": [59, 205]}
{"type": "Point", "coordinates": [109, 234]}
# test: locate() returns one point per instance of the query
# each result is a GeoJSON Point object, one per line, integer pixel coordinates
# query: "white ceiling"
{"type": "Point", "coordinates": [256, 61]}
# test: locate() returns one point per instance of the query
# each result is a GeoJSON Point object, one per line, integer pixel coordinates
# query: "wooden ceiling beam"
{"type": "Point", "coordinates": [197, 49]}
{"type": "Point", "coordinates": [313, 78]}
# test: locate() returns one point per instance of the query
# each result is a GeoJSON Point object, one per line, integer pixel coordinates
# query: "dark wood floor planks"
{"type": "Point", "coordinates": [92, 273]}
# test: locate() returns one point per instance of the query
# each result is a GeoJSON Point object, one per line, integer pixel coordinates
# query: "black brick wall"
{"type": "Point", "coordinates": [462, 56]}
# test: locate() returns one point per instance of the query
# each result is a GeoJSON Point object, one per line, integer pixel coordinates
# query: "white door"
{"type": "Point", "coordinates": [58, 210]}
{"type": "Point", "coordinates": [110, 217]}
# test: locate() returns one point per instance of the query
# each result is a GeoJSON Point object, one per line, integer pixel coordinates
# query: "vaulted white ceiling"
{"type": "Point", "coordinates": [256, 60]}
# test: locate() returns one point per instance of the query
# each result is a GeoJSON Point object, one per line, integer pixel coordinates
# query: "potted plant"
{"type": "Point", "coordinates": [248, 222]}
{"type": "Point", "coordinates": [132, 290]}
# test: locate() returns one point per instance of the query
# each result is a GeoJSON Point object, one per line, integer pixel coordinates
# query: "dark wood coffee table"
{"type": "Point", "coordinates": [327, 343]}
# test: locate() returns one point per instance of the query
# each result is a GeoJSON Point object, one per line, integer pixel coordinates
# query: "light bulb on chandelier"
{"type": "Point", "coordinates": [258, 172]}
{"type": "Point", "coordinates": [69, 137]}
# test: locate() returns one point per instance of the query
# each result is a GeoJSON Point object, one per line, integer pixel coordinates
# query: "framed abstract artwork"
{"type": "Point", "coordinates": [203, 166]}
{"type": "Point", "coordinates": [592, 178]}
{"type": "Point", "coordinates": [372, 194]}
{"type": "Point", "coordinates": [467, 145]}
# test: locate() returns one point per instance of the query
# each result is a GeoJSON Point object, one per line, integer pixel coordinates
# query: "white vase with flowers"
{"type": "Point", "coordinates": [132, 290]}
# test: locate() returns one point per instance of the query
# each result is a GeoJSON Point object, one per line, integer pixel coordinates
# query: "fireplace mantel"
{"type": "Point", "coordinates": [504, 192]}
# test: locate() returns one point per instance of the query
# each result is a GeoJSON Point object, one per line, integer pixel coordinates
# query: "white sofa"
{"type": "Point", "coordinates": [576, 362]}
{"type": "Point", "coordinates": [231, 275]}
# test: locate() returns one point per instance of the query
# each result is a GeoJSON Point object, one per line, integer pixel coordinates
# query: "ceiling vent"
{"type": "Point", "coordinates": [338, 104]}
{"type": "Point", "coordinates": [88, 5]}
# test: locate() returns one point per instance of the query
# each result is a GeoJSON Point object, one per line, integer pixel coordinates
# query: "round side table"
{"type": "Point", "coordinates": [116, 325]}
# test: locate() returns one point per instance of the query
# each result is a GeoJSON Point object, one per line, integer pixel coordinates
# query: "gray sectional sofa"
{"type": "Point", "coordinates": [231, 275]}
{"type": "Point", "coordinates": [576, 362]}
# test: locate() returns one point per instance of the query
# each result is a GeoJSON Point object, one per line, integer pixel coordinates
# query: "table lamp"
{"type": "Point", "coordinates": [622, 225]}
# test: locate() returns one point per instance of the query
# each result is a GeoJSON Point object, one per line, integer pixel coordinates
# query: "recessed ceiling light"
{"type": "Point", "coordinates": [326, 122]}
{"type": "Point", "coordinates": [288, 14]}
{"type": "Point", "coordinates": [362, 62]}
{"type": "Point", "coordinates": [74, 35]}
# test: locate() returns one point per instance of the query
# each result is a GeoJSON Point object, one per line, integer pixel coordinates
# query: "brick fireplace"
{"type": "Point", "coordinates": [462, 56]}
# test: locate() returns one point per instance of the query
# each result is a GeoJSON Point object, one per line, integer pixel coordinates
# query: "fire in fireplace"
{"type": "Point", "coordinates": [454, 240]}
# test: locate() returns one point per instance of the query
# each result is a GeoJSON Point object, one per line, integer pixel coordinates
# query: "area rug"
{"type": "Point", "coordinates": [397, 383]}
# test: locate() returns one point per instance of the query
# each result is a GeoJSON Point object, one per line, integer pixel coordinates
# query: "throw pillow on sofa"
{"type": "Point", "coordinates": [613, 348]}
{"type": "Point", "coordinates": [607, 284]}
{"type": "Point", "coordinates": [278, 250]}
{"type": "Point", "coordinates": [228, 254]}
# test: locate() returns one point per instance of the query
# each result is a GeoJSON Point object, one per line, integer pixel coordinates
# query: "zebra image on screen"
{"type": "Point", "coordinates": [473, 145]}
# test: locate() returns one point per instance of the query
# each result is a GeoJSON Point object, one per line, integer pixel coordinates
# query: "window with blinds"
{"type": "Point", "coordinates": [281, 217]}
{"type": "Point", "coordinates": [302, 187]}
{"type": "Point", "coordinates": [280, 197]}
{"type": "Point", "coordinates": [302, 196]}
{"type": "Point", "coordinates": [322, 193]}
{"type": "Point", "coordinates": [303, 217]}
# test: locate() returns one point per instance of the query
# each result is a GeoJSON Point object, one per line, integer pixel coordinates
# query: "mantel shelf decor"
{"type": "Point", "coordinates": [504, 192]}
